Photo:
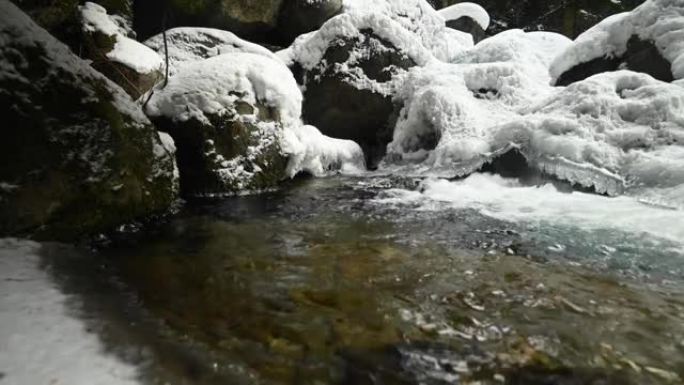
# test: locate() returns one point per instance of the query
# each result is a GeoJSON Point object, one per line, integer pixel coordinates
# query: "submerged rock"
{"type": "Point", "coordinates": [78, 156]}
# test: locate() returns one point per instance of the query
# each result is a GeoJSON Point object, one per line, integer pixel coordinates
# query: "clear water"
{"type": "Point", "coordinates": [384, 281]}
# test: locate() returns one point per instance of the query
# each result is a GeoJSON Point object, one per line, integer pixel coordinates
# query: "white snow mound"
{"type": "Point", "coordinates": [187, 45]}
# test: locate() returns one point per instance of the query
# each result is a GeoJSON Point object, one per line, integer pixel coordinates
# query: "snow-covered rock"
{"type": "Point", "coordinates": [649, 39]}
{"type": "Point", "coordinates": [130, 64]}
{"type": "Point", "coordinates": [614, 132]}
{"type": "Point", "coordinates": [236, 120]}
{"type": "Point", "coordinates": [78, 155]}
{"type": "Point", "coordinates": [467, 17]}
{"type": "Point", "coordinates": [187, 45]}
{"type": "Point", "coordinates": [417, 17]}
{"type": "Point", "coordinates": [351, 68]}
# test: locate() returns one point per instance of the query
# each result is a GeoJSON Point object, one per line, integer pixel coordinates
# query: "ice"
{"type": "Point", "coordinates": [317, 154]}
{"type": "Point", "coordinates": [41, 342]}
{"type": "Point", "coordinates": [465, 9]}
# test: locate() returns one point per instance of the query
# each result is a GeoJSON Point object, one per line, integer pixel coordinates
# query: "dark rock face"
{"type": "Point", "coordinates": [301, 16]}
{"type": "Point", "coordinates": [468, 25]}
{"type": "Point", "coordinates": [276, 22]}
{"type": "Point", "coordinates": [342, 109]}
{"type": "Point", "coordinates": [78, 156]}
{"type": "Point", "coordinates": [219, 158]}
{"type": "Point", "coordinates": [641, 56]}
{"type": "Point", "coordinates": [62, 19]}
{"type": "Point", "coordinates": [569, 17]}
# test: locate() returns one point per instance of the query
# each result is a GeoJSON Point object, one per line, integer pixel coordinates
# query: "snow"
{"type": "Point", "coordinates": [615, 132]}
{"type": "Point", "coordinates": [126, 51]}
{"type": "Point", "coordinates": [660, 21]}
{"type": "Point", "coordinates": [509, 200]}
{"type": "Point", "coordinates": [213, 86]}
{"type": "Point", "coordinates": [309, 52]}
{"type": "Point", "coordinates": [187, 45]}
{"type": "Point", "coordinates": [41, 341]}
{"type": "Point", "coordinates": [465, 9]}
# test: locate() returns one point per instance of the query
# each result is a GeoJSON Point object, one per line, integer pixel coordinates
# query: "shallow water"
{"type": "Point", "coordinates": [379, 281]}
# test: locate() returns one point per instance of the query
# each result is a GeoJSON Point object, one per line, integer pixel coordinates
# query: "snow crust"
{"type": "Point", "coordinates": [188, 45]}
{"type": "Point", "coordinates": [660, 21]}
{"type": "Point", "coordinates": [41, 342]}
{"type": "Point", "coordinates": [465, 9]}
{"type": "Point", "coordinates": [126, 51]}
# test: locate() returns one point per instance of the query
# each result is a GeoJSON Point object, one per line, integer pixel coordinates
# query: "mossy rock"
{"type": "Point", "coordinates": [62, 18]}
{"type": "Point", "coordinates": [253, 19]}
{"type": "Point", "coordinates": [236, 152]}
{"type": "Point", "coordinates": [78, 156]}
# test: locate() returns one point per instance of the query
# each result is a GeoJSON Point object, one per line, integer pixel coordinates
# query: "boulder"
{"type": "Point", "coordinates": [78, 156]}
{"type": "Point", "coordinates": [227, 115]}
{"type": "Point", "coordinates": [646, 40]}
{"type": "Point", "coordinates": [62, 18]}
{"type": "Point", "coordinates": [349, 72]}
{"type": "Point", "coordinates": [130, 64]}
{"type": "Point", "coordinates": [640, 56]}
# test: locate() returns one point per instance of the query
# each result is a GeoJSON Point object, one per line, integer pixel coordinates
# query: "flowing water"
{"type": "Point", "coordinates": [382, 280]}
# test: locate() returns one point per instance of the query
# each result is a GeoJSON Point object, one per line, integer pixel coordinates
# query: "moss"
{"type": "Point", "coordinates": [203, 147]}
{"type": "Point", "coordinates": [79, 164]}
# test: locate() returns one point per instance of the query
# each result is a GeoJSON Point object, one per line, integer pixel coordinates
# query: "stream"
{"type": "Point", "coordinates": [389, 280]}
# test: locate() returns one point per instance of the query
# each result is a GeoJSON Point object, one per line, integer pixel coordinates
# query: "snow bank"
{"type": "Point", "coordinates": [40, 340]}
{"type": "Point", "coordinates": [471, 10]}
{"type": "Point", "coordinates": [126, 51]}
{"type": "Point", "coordinates": [187, 45]}
{"type": "Point", "coordinates": [660, 21]}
